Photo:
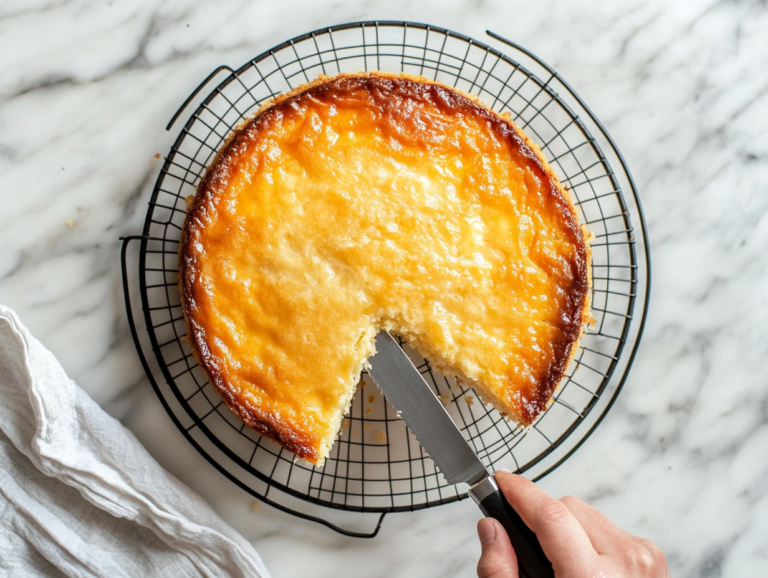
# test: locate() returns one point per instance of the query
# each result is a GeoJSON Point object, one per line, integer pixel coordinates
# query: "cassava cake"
{"type": "Point", "coordinates": [372, 201]}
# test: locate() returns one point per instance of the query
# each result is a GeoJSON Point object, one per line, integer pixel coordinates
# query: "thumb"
{"type": "Point", "coordinates": [498, 559]}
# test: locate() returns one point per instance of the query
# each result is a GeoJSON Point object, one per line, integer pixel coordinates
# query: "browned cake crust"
{"type": "Point", "coordinates": [404, 105]}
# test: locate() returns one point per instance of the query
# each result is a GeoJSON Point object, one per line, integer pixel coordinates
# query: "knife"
{"type": "Point", "coordinates": [425, 415]}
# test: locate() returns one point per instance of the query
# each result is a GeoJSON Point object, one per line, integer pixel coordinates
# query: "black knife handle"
{"type": "Point", "coordinates": [531, 560]}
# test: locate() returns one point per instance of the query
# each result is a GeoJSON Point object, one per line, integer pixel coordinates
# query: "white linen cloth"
{"type": "Point", "coordinates": [80, 496]}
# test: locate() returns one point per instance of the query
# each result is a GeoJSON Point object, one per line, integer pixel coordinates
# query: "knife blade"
{"type": "Point", "coordinates": [425, 415]}
{"type": "Point", "coordinates": [406, 389]}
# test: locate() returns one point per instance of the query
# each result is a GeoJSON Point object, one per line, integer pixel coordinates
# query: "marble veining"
{"type": "Point", "coordinates": [86, 89]}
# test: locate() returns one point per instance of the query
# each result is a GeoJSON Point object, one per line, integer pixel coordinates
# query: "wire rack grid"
{"type": "Point", "coordinates": [377, 465]}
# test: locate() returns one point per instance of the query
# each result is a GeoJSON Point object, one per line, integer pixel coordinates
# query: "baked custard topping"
{"type": "Point", "coordinates": [373, 201]}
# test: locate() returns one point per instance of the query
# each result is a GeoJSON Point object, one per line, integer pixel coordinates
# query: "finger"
{"type": "Point", "coordinates": [638, 554]}
{"type": "Point", "coordinates": [562, 538]}
{"type": "Point", "coordinates": [606, 537]}
{"type": "Point", "coordinates": [498, 559]}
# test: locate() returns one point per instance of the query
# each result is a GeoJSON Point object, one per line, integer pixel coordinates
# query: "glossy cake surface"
{"type": "Point", "coordinates": [373, 201]}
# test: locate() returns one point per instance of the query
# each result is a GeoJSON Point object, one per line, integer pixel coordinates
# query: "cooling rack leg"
{"type": "Point", "coordinates": [196, 91]}
{"type": "Point", "coordinates": [128, 307]}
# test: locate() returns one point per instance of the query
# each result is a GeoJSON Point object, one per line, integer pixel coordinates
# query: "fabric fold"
{"type": "Point", "coordinates": [81, 491]}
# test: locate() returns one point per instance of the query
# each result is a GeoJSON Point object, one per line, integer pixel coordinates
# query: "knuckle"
{"type": "Point", "coordinates": [553, 511]}
{"type": "Point", "coordinates": [658, 555]}
{"type": "Point", "coordinates": [641, 560]}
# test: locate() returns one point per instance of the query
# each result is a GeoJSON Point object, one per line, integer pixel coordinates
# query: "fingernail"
{"type": "Point", "coordinates": [503, 471]}
{"type": "Point", "coordinates": [486, 531]}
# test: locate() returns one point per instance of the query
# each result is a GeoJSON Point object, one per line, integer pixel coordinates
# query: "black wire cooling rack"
{"type": "Point", "coordinates": [377, 466]}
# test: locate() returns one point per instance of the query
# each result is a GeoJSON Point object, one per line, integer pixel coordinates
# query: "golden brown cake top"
{"type": "Point", "coordinates": [370, 201]}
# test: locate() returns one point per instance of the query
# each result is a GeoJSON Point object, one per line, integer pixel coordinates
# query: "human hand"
{"type": "Point", "coordinates": [578, 540]}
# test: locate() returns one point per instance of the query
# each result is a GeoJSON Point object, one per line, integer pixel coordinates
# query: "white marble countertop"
{"type": "Point", "coordinates": [86, 89]}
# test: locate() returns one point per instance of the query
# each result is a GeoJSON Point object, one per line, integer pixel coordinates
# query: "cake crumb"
{"type": "Point", "coordinates": [371, 398]}
{"type": "Point", "coordinates": [255, 506]}
{"type": "Point", "coordinates": [189, 200]}
{"type": "Point", "coordinates": [70, 223]}
{"type": "Point", "coordinates": [345, 424]}
{"type": "Point", "coordinates": [157, 155]}
{"type": "Point", "coordinates": [380, 437]}
{"type": "Point", "coordinates": [445, 397]}
{"type": "Point", "coordinates": [368, 410]}
{"type": "Point", "coordinates": [366, 426]}
{"type": "Point", "coordinates": [470, 400]}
